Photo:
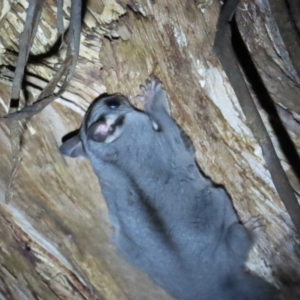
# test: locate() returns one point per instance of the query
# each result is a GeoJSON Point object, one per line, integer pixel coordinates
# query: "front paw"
{"type": "Point", "coordinates": [149, 90]}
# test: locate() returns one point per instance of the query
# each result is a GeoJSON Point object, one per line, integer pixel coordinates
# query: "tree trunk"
{"type": "Point", "coordinates": [55, 233]}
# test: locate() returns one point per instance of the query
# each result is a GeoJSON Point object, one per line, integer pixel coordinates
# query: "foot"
{"type": "Point", "coordinates": [256, 227]}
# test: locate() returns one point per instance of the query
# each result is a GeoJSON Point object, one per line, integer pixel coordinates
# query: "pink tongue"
{"type": "Point", "coordinates": [100, 130]}
{"type": "Point", "coordinates": [103, 129]}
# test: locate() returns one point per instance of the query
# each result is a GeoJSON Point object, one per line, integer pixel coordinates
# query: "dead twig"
{"type": "Point", "coordinates": [224, 50]}
{"type": "Point", "coordinates": [26, 39]}
{"type": "Point", "coordinates": [66, 70]}
{"type": "Point", "coordinates": [60, 17]}
{"type": "Point", "coordinates": [47, 95]}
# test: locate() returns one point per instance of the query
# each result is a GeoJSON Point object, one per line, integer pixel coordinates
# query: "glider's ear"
{"type": "Point", "coordinates": [72, 147]}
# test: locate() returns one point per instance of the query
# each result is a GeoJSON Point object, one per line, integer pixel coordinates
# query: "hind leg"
{"type": "Point", "coordinates": [240, 238]}
{"type": "Point", "coordinates": [255, 227]}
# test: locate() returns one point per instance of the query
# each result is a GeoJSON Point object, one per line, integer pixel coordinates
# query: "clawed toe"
{"type": "Point", "coordinates": [153, 95]}
{"type": "Point", "coordinates": [254, 222]}
{"type": "Point", "coordinates": [152, 85]}
{"type": "Point", "coordinates": [149, 83]}
{"type": "Point", "coordinates": [255, 226]}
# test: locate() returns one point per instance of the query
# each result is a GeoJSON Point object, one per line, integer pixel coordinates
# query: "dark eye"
{"type": "Point", "coordinates": [113, 103]}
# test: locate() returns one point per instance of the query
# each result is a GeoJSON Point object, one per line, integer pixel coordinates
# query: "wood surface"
{"type": "Point", "coordinates": [55, 233]}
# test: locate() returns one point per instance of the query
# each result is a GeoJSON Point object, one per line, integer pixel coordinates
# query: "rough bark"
{"type": "Point", "coordinates": [55, 233]}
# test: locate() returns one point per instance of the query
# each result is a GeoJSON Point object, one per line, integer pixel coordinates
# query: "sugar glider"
{"type": "Point", "coordinates": [170, 220]}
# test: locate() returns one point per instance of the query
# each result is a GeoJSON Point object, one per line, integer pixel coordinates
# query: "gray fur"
{"type": "Point", "coordinates": [170, 221]}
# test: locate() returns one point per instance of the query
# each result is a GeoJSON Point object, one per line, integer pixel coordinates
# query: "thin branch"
{"type": "Point", "coordinates": [26, 39]}
{"type": "Point", "coordinates": [35, 85]}
{"type": "Point", "coordinates": [224, 50]}
{"type": "Point", "coordinates": [67, 69]}
{"type": "Point", "coordinates": [60, 17]}
{"type": "Point", "coordinates": [47, 95]}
